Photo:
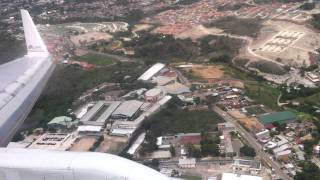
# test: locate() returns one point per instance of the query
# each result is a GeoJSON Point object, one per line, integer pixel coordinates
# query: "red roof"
{"type": "Point", "coordinates": [190, 139]}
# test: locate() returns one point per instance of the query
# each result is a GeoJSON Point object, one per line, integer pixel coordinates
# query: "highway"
{"type": "Point", "coordinates": [251, 140]}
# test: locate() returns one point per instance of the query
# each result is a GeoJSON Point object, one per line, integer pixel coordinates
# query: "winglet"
{"type": "Point", "coordinates": [32, 35]}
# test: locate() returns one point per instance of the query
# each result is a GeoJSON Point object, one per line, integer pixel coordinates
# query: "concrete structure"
{"type": "Point", "coordinates": [32, 164]}
{"type": "Point", "coordinates": [151, 72]}
{"type": "Point", "coordinates": [263, 136]}
{"type": "Point", "coordinates": [91, 130]}
{"type": "Point", "coordinates": [313, 77]}
{"type": "Point", "coordinates": [160, 155]}
{"type": "Point", "coordinates": [231, 176]}
{"type": "Point", "coordinates": [154, 94]}
{"type": "Point", "coordinates": [99, 113]}
{"type": "Point", "coordinates": [227, 126]}
{"type": "Point", "coordinates": [134, 147]}
{"type": "Point", "coordinates": [187, 163]}
{"type": "Point", "coordinates": [249, 166]}
{"type": "Point", "coordinates": [54, 141]}
{"type": "Point", "coordinates": [61, 122]}
{"type": "Point", "coordinates": [22, 81]}
{"type": "Point", "coordinates": [127, 109]}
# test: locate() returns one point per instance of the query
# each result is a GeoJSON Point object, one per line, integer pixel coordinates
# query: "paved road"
{"type": "Point", "coordinates": [265, 157]}
{"type": "Point", "coordinates": [209, 161]}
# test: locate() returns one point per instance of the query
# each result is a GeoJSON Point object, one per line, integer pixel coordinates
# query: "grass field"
{"type": "Point", "coordinates": [98, 60]}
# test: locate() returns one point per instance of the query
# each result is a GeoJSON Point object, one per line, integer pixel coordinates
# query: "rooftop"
{"type": "Point", "coordinates": [151, 72]}
{"type": "Point", "coordinates": [128, 108]}
{"type": "Point", "coordinates": [280, 117]}
{"type": "Point", "coordinates": [231, 176]}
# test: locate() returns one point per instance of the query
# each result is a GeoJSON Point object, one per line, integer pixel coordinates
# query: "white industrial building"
{"type": "Point", "coordinates": [154, 94]}
{"type": "Point", "coordinates": [127, 109]}
{"type": "Point", "coordinates": [151, 72]}
{"type": "Point", "coordinates": [99, 113]}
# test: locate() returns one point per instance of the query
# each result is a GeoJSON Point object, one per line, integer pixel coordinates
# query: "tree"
{"type": "Point", "coordinates": [193, 151]}
{"type": "Point", "coordinates": [247, 151]}
{"type": "Point", "coordinates": [172, 151]}
{"type": "Point", "coordinates": [309, 171]}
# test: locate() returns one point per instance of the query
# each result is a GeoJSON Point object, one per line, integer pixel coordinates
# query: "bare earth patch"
{"type": "Point", "coordinates": [112, 144]}
{"type": "Point", "coordinates": [90, 37]}
{"type": "Point", "coordinates": [83, 143]}
{"type": "Point", "coordinates": [208, 72]}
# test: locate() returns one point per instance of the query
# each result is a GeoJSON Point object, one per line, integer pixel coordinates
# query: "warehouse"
{"type": "Point", "coordinates": [151, 72]}
{"type": "Point", "coordinates": [278, 117]}
{"type": "Point", "coordinates": [127, 109]}
{"type": "Point", "coordinates": [154, 94]}
{"type": "Point", "coordinates": [99, 113]}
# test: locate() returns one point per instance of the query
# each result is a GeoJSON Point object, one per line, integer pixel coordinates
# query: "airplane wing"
{"type": "Point", "coordinates": [22, 81]}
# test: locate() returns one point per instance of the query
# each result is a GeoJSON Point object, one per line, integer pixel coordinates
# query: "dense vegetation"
{"type": "Point", "coordinates": [95, 59]}
{"type": "Point", "coordinates": [10, 48]}
{"type": "Point", "coordinates": [316, 21]}
{"type": "Point", "coordinates": [309, 171]}
{"type": "Point", "coordinates": [233, 25]}
{"type": "Point", "coordinates": [307, 6]}
{"type": "Point", "coordinates": [68, 83]}
{"type": "Point", "coordinates": [158, 47]}
{"type": "Point", "coordinates": [172, 120]}
{"type": "Point", "coordinates": [221, 49]}
{"type": "Point", "coordinates": [247, 151]}
{"type": "Point", "coordinates": [269, 67]}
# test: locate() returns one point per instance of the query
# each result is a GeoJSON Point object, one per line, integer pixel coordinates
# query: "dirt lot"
{"type": "Point", "coordinates": [251, 123]}
{"type": "Point", "coordinates": [112, 144]}
{"type": "Point", "coordinates": [297, 42]}
{"type": "Point", "coordinates": [237, 114]}
{"type": "Point", "coordinates": [90, 37]}
{"type": "Point", "coordinates": [142, 27]}
{"type": "Point", "coordinates": [83, 143]}
{"type": "Point", "coordinates": [208, 72]}
{"type": "Point", "coordinates": [198, 32]}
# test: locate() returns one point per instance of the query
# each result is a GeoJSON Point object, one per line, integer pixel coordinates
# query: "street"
{"type": "Point", "coordinates": [265, 157]}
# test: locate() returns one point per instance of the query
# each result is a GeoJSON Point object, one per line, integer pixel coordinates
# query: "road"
{"type": "Point", "coordinates": [265, 157]}
{"type": "Point", "coordinates": [209, 161]}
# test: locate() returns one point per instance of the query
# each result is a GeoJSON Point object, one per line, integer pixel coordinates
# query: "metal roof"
{"type": "Point", "coordinates": [128, 108]}
{"type": "Point", "coordinates": [151, 72]}
{"type": "Point", "coordinates": [280, 117]}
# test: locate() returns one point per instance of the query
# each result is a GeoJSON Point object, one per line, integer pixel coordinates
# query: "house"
{"type": "Point", "coordinates": [187, 163]}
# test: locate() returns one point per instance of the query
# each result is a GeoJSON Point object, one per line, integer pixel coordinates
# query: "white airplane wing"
{"type": "Point", "coordinates": [33, 38]}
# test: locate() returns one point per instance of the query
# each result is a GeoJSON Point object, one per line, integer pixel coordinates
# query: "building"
{"type": "Point", "coordinates": [127, 109]}
{"type": "Point", "coordinates": [278, 117]}
{"type": "Point", "coordinates": [227, 126]}
{"type": "Point", "coordinates": [54, 141]}
{"type": "Point", "coordinates": [189, 138]}
{"type": "Point", "coordinates": [134, 147]}
{"type": "Point", "coordinates": [165, 142]}
{"type": "Point", "coordinates": [187, 163]}
{"type": "Point", "coordinates": [283, 155]}
{"type": "Point", "coordinates": [153, 95]}
{"type": "Point", "coordinates": [160, 155]}
{"type": "Point", "coordinates": [152, 71]}
{"type": "Point", "coordinates": [231, 176]}
{"type": "Point", "coordinates": [226, 144]}
{"type": "Point", "coordinates": [249, 166]}
{"type": "Point", "coordinates": [263, 136]}
{"type": "Point", "coordinates": [89, 130]}
{"type": "Point", "coordinates": [61, 122]}
{"type": "Point", "coordinates": [99, 113]}
{"type": "Point", "coordinates": [312, 77]}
